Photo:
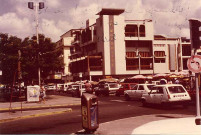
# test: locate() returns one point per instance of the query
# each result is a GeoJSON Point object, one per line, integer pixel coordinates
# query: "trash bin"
{"type": "Point", "coordinates": [89, 110]}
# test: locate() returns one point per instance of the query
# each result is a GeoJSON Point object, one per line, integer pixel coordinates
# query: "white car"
{"type": "Point", "coordinates": [167, 94]}
{"type": "Point", "coordinates": [51, 87]}
{"type": "Point", "coordinates": [137, 91]}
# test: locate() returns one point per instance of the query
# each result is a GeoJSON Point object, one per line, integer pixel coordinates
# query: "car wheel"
{"type": "Point", "coordinates": [127, 97]}
{"type": "Point", "coordinates": [144, 102]}
{"type": "Point", "coordinates": [117, 94]}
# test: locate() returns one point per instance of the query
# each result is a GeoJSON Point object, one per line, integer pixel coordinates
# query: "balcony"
{"type": "Point", "coordinates": [131, 34]}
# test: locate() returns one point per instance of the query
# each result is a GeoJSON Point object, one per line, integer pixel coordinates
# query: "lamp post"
{"type": "Point", "coordinates": [37, 7]}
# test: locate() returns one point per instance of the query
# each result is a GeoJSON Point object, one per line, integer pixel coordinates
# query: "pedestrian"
{"type": "Point", "coordinates": [177, 81]}
{"type": "Point", "coordinates": [88, 87]}
{"type": "Point", "coordinates": [42, 95]}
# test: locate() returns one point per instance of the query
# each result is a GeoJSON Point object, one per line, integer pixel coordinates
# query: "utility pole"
{"type": "Point", "coordinates": [195, 33]}
{"type": "Point", "coordinates": [19, 71]}
{"type": "Point", "coordinates": [37, 7]}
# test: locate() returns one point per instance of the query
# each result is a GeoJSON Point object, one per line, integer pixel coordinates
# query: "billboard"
{"type": "Point", "coordinates": [33, 93]}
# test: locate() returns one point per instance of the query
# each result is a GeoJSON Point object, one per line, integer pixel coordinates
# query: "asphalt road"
{"type": "Point", "coordinates": [110, 108]}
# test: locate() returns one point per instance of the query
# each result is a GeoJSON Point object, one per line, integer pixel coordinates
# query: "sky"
{"type": "Point", "coordinates": [170, 17]}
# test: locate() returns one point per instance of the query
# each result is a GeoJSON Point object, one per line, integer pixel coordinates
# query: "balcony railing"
{"type": "Point", "coordinates": [131, 34]}
{"type": "Point", "coordinates": [132, 67]}
{"type": "Point", "coordinates": [96, 68]}
{"type": "Point", "coordinates": [136, 67]}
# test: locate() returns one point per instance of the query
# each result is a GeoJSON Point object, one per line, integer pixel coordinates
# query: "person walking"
{"type": "Point", "coordinates": [42, 95]}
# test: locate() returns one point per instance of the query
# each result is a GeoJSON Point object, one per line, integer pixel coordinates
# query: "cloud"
{"type": "Point", "coordinates": [54, 29]}
{"type": "Point", "coordinates": [169, 17]}
{"type": "Point", "coordinates": [53, 3]}
{"type": "Point", "coordinates": [80, 14]}
{"type": "Point", "coordinates": [11, 23]}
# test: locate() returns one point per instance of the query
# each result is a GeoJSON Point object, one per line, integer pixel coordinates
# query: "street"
{"type": "Point", "coordinates": [110, 108]}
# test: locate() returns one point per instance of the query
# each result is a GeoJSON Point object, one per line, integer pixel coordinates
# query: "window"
{"type": "Point", "coordinates": [159, 90]}
{"type": "Point", "coordinates": [159, 53]}
{"type": "Point", "coordinates": [135, 87]}
{"type": "Point", "coordinates": [131, 31]}
{"type": "Point", "coordinates": [113, 85]}
{"type": "Point", "coordinates": [186, 50]}
{"type": "Point", "coordinates": [142, 31]}
{"type": "Point", "coordinates": [141, 88]}
{"type": "Point", "coordinates": [150, 87]}
{"type": "Point", "coordinates": [176, 89]}
{"type": "Point", "coordinates": [132, 64]}
{"type": "Point", "coordinates": [126, 86]}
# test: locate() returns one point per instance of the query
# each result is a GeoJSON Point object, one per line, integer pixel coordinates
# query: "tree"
{"type": "Point", "coordinates": [44, 55]}
{"type": "Point", "coordinates": [9, 47]}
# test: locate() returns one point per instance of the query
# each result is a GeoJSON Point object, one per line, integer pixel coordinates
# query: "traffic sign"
{"type": "Point", "coordinates": [194, 63]}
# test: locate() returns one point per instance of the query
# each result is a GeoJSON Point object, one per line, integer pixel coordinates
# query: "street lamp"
{"type": "Point", "coordinates": [37, 7]}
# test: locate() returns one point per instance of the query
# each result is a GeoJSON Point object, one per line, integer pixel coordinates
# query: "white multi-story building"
{"type": "Point", "coordinates": [113, 46]}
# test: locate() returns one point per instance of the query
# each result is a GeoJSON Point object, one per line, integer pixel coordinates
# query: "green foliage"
{"type": "Point", "coordinates": [44, 55]}
{"type": "Point", "coordinates": [9, 56]}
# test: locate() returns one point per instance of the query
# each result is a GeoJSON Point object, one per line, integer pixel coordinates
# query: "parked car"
{"type": "Point", "coordinates": [137, 91]}
{"type": "Point", "coordinates": [51, 87]}
{"type": "Point", "coordinates": [60, 88]}
{"type": "Point", "coordinates": [167, 94]}
{"type": "Point", "coordinates": [66, 86]}
{"type": "Point", "coordinates": [77, 89]}
{"type": "Point", "coordinates": [106, 88]}
{"type": "Point", "coordinates": [123, 87]}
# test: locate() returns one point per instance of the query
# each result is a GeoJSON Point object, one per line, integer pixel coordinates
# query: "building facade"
{"type": "Point", "coordinates": [111, 46]}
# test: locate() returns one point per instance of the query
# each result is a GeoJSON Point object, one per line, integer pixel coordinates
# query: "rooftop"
{"type": "Point", "coordinates": [110, 11]}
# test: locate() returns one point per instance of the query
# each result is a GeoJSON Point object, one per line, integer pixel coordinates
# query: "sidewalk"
{"type": "Point", "coordinates": [52, 101]}
{"type": "Point", "coordinates": [62, 104]}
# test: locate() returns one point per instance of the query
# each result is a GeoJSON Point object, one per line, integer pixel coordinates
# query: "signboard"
{"type": "Point", "coordinates": [194, 63]}
{"type": "Point", "coordinates": [33, 93]}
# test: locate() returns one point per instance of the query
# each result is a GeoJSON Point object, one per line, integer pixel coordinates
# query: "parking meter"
{"type": "Point", "coordinates": [89, 110]}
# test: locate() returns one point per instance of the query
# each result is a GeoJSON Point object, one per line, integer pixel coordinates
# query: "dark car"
{"type": "Point", "coordinates": [123, 87]}
{"type": "Point", "coordinates": [106, 88]}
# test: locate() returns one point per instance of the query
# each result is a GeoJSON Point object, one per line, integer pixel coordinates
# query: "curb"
{"type": "Point", "coordinates": [35, 115]}
{"type": "Point", "coordinates": [2, 110]}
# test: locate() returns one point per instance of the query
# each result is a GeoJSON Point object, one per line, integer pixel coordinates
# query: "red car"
{"type": "Point", "coordinates": [124, 86]}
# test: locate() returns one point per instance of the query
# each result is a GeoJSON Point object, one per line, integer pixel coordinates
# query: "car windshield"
{"type": "Point", "coordinates": [176, 89]}
{"type": "Point", "coordinates": [113, 85]}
